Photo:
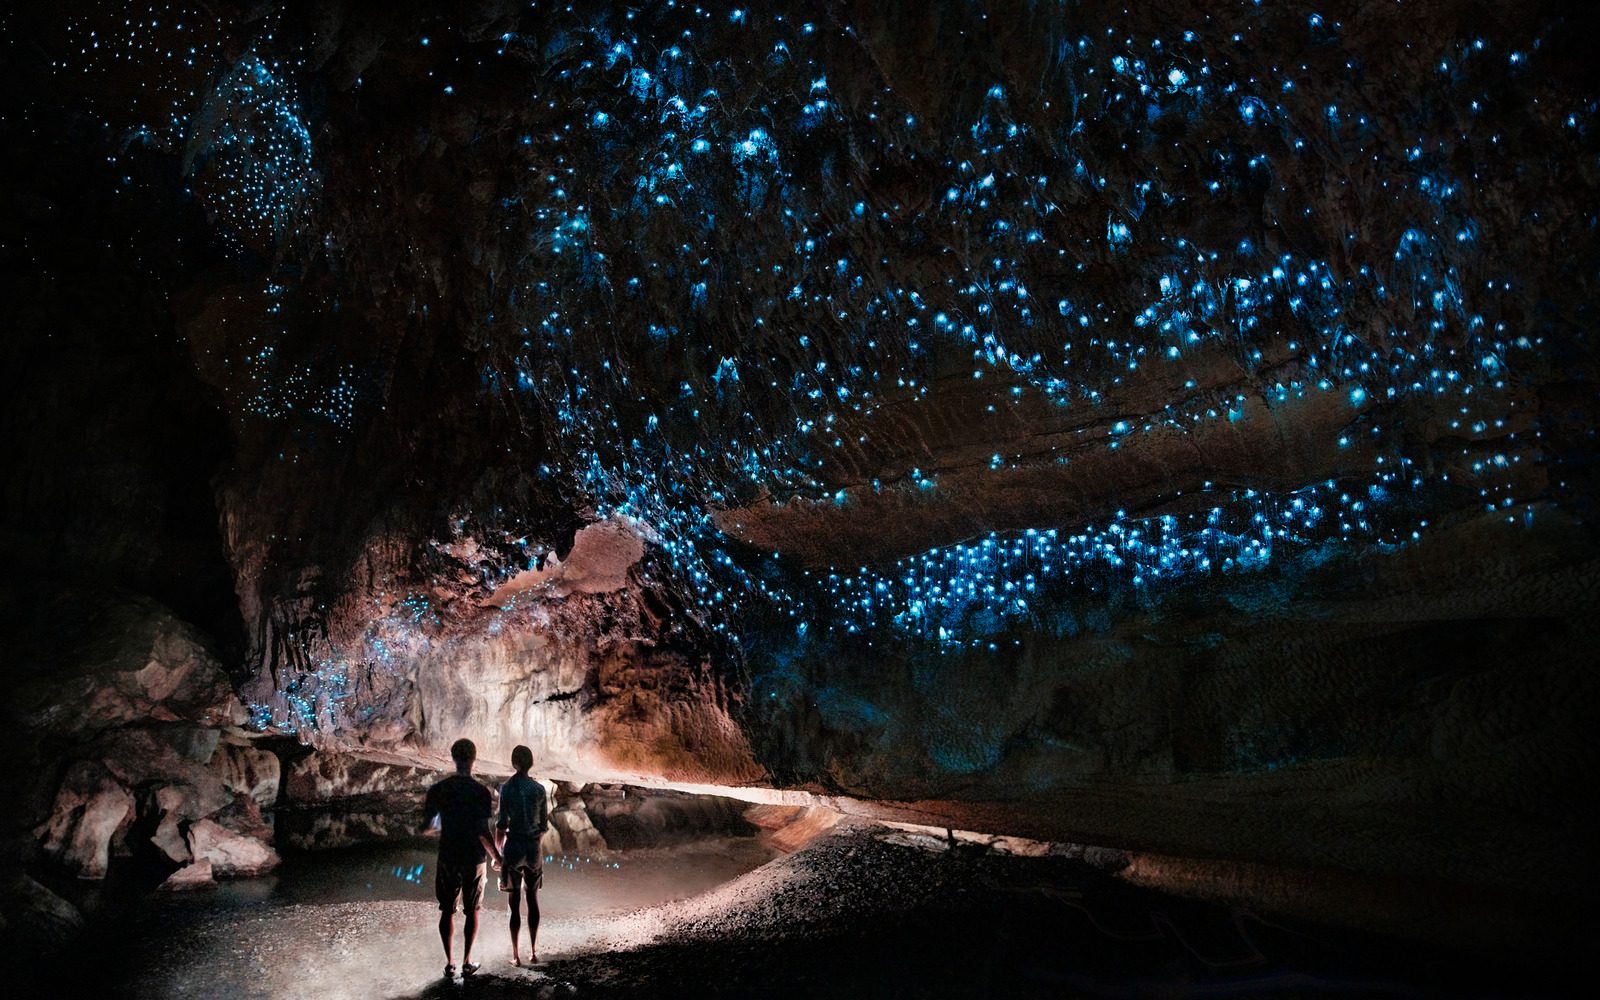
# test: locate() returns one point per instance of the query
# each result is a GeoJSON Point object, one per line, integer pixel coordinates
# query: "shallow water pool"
{"type": "Point", "coordinates": [574, 884]}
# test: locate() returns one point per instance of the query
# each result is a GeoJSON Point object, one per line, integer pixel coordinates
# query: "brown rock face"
{"type": "Point", "coordinates": [576, 661]}
{"type": "Point", "coordinates": [1057, 469]}
{"type": "Point", "coordinates": [339, 799]}
{"type": "Point", "coordinates": [138, 742]}
{"type": "Point", "coordinates": [228, 853]}
{"type": "Point", "coordinates": [115, 661]}
{"type": "Point", "coordinates": [159, 787]}
{"type": "Point", "coordinates": [91, 808]}
{"type": "Point", "coordinates": [322, 777]}
{"type": "Point", "coordinates": [169, 837]}
{"type": "Point", "coordinates": [246, 771]}
{"type": "Point", "coordinates": [572, 831]}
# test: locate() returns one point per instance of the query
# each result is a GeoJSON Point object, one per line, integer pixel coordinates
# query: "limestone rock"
{"type": "Point", "coordinates": [183, 775]}
{"type": "Point", "coordinates": [169, 837]}
{"type": "Point", "coordinates": [338, 799]}
{"type": "Point", "coordinates": [550, 843]}
{"type": "Point", "coordinates": [647, 818]}
{"type": "Point", "coordinates": [245, 817]}
{"type": "Point", "coordinates": [198, 875]}
{"type": "Point", "coordinates": [108, 676]}
{"type": "Point", "coordinates": [325, 777]}
{"type": "Point", "coordinates": [320, 829]}
{"type": "Point", "coordinates": [171, 766]}
{"type": "Point", "coordinates": [248, 771]}
{"type": "Point", "coordinates": [91, 808]}
{"type": "Point", "coordinates": [178, 755]}
{"type": "Point", "coordinates": [575, 831]}
{"type": "Point", "coordinates": [805, 825]}
{"type": "Point", "coordinates": [125, 660]}
{"type": "Point", "coordinates": [601, 556]}
{"type": "Point", "coordinates": [229, 854]}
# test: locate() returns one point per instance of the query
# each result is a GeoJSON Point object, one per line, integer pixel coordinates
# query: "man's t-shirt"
{"type": "Point", "coordinates": [463, 806]}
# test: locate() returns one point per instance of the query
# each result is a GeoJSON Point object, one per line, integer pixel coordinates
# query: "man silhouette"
{"type": "Point", "coordinates": [464, 808]}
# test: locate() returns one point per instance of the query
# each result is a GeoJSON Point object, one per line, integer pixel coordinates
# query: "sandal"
{"type": "Point", "coordinates": [449, 972]}
{"type": "Point", "coordinates": [468, 969]}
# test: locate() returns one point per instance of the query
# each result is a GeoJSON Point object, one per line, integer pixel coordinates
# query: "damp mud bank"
{"type": "Point", "coordinates": [861, 911]}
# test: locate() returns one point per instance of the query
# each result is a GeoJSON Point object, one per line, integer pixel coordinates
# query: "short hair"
{"type": "Point", "coordinates": [463, 752]}
{"type": "Point", "coordinates": [522, 758]}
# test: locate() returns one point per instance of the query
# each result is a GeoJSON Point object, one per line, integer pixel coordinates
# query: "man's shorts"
{"type": "Point", "coordinates": [463, 881]}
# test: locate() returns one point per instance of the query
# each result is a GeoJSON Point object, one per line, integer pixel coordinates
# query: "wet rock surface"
{"type": "Point", "coordinates": [194, 875]}
{"type": "Point", "coordinates": [644, 817]}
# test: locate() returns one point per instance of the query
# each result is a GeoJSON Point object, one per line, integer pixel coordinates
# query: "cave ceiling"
{"type": "Point", "coordinates": [913, 324]}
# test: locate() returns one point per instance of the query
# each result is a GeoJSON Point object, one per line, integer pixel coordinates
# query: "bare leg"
{"type": "Point", "coordinates": [533, 924]}
{"type": "Point", "coordinates": [505, 869]}
{"type": "Point", "coordinates": [469, 930]}
{"type": "Point", "coordinates": [447, 931]}
{"type": "Point", "coordinates": [516, 922]}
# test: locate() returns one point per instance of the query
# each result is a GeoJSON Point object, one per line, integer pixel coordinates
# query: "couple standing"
{"type": "Point", "coordinates": [469, 835]}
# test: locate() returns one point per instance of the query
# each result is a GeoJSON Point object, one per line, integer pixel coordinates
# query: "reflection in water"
{"type": "Point", "coordinates": [575, 884]}
{"type": "Point", "coordinates": [412, 874]}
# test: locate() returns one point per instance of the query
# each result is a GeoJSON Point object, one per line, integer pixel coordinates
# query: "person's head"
{"type": "Point", "coordinates": [463, 752]}
{"type": "Point", "coordinates": [522, 759]}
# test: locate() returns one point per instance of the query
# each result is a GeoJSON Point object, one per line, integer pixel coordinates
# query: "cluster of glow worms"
{"type": "Point", "coordinates": [240, 127]}
{"type": "Point", "coordinates": [729, 260]}
{"type": "Point", "coordinates": [251, 150]}
{"type": "Point", "coordinates": [818, 328]}
{"type": "Point", "coordinates": [246, 153]}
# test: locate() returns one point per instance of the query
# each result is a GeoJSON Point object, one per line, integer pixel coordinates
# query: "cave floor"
{"type": "Point", "coordinates": [862, 912]}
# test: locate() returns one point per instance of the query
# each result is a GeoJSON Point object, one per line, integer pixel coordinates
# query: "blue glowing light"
{"type": "Point", "coordinates": [716, 316]}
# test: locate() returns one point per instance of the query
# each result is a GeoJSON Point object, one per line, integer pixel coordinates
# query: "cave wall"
{"type": "Point", "coordinates": [1169, 427]}
{"type": "Point", "coordinates": [121, 626]}
{"type": "Point", "coordinates": [1360, 714]}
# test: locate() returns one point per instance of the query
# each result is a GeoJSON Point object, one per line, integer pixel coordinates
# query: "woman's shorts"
{"type": "Point", "coordinates": [529, 872]}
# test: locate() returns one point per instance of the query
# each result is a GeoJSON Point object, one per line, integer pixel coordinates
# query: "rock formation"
{"type": "Point", "coordinates": [133, 741]}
